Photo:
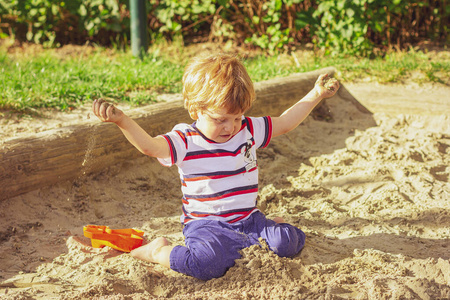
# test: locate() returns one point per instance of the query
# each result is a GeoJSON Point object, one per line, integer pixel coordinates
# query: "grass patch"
{"type": "Point", "coordinates": [46, 80]}
{"type": "Point", "coordinates": [64, 80]}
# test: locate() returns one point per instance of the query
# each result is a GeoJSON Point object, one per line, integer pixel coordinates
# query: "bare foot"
{"type": "Point", "coordinates": [149, 251]}
{"type": "Point", "coordinates": [278, 220]}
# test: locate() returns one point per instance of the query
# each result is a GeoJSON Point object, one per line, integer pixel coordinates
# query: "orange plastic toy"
{"type": "Point", "coordinates": [120, 239]}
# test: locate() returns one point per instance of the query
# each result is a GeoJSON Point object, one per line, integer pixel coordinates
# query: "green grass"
{"type": "Point", "coordinates": [48, 79]}
{"type": "Point", "coordinates": [45, 80]}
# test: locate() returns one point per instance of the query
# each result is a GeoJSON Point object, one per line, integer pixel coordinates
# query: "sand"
{"type": "Point", "coordinates": [371, 193]}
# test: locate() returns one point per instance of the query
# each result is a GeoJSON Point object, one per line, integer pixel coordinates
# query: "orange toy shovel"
{"type": "Point", "coordinates": [120, 239]}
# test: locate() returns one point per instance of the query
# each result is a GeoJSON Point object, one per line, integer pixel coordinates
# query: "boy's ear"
{"type": "Point", "coordinates": [193, 115]}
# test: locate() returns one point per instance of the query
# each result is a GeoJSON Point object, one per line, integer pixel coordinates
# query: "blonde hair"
{"type": "Point", "coordinates": [215, 82]}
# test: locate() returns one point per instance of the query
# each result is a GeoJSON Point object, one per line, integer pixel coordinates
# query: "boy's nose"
{"type": "Point", "coordinates": [229, 127]}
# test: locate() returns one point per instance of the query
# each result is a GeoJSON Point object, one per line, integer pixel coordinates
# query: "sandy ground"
{"type": "Point", "coordinates": [370, 191]}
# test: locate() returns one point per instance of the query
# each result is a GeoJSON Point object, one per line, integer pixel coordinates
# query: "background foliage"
{"type": "Point", "coordinates": [360, 27]}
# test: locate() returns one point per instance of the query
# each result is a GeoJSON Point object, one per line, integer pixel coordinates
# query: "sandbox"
{"type": "Point", "coordinates": [370, 190]}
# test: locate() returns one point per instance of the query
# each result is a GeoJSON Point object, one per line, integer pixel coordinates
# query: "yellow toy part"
{"type": "Point", "coordinates": [120, 239]}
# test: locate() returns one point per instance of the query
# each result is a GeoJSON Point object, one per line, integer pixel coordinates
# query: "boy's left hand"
{"type": "Point", "coordinates": [326, 86]}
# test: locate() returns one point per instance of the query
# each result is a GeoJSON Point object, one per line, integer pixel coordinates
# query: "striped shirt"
{"type": "Point", "coordinates": [219, 181]}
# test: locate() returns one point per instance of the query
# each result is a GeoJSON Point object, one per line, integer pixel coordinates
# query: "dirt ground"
{"type": "Point", "coordinates": [371, 192]}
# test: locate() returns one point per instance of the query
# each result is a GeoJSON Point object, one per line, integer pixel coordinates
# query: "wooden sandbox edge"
{"type": "Point", "coordinates": [69, 152]}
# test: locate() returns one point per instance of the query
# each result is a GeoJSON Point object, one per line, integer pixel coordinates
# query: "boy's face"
{"type": "Point", "coordinates": [219, 125]}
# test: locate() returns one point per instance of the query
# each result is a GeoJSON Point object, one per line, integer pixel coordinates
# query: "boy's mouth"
{"type": "Point", "coordinates": [225, 136]}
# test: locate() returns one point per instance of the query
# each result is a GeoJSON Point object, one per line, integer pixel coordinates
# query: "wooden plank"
{"type": "Point", "coordinates": [66, 153]}
{"type": "Point", "coordinates": [60, 154]}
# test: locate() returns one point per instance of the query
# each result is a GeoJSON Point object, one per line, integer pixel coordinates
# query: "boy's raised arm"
{"type": "Point", "coordinates": [138, 137]}
{"type": "Point", "coordinates": [324, 87]}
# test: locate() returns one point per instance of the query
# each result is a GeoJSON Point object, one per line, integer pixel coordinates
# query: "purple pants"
{"type": "Point", "coordinates": [213, 246]}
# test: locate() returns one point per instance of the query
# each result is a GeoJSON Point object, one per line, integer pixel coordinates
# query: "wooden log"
{"type": "Point", "coordinates": [67, 153]}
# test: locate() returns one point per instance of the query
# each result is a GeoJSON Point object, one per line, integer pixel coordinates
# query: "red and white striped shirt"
{"type": "Point", "coordinates": [219, 180]}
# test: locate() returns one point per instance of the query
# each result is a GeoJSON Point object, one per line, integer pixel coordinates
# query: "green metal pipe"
{"type": "Point", "coordinates": [139, 43]}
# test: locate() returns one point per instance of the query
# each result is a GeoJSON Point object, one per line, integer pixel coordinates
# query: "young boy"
{"type": "Point", "coordinates": [216, 159]}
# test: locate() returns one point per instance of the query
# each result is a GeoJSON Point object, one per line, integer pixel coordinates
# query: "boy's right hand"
{"type": "Point", "coordinates": [107, 112]}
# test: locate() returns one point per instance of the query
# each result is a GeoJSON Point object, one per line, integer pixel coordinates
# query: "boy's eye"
{"type": "Point", "coordinates": [218, 120]}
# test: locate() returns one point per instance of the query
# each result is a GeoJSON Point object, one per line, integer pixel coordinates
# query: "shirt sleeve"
{"type": "Point", "coordinates": [262, 130]}
{"type": "Point", "coordinates": [177, 144]}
